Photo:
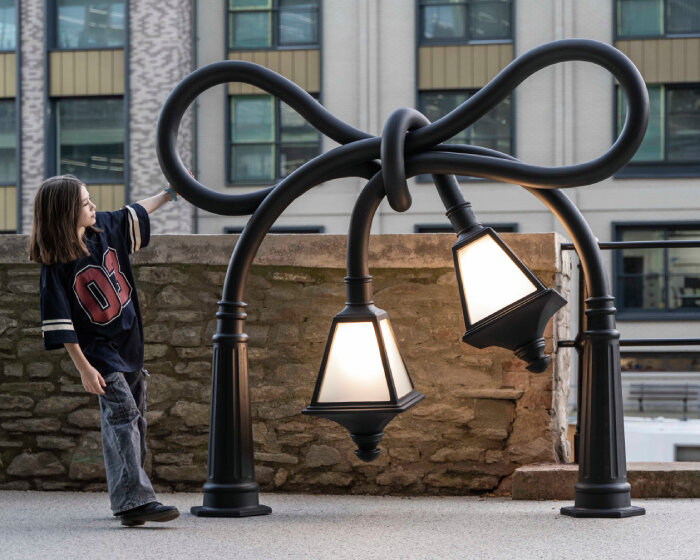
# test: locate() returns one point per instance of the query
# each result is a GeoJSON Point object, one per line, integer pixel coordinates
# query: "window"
{"type": "Point", "coordinates": [447, 228]}
{"type": "Point", "coordinates": [660, 281]}
{"type": "Point", "coordinates": [493, 130]}
{"type": "Point", "coordinates": [263, 24]}
{"type": "Point", "coordinates": [672, 140]}
{"type": "Point", "coordinates": [90, 139]}
{"type": "Point", "coordinates": [269, 139]}
{"type": "Point", "coordinates": [656, 362]}
{"type": "Point", "coordinates": [89, 24]}
{"type": "Point", "coordinates": [8, 26]}
{"type": "Point", "coordinates": [459, 21]}
{"type": "Point", "coordinates": [8, 143]}
{"type": "Point", "coordinates": [657, 18]}
{"type": "Point", "coordinates": [281, 229]}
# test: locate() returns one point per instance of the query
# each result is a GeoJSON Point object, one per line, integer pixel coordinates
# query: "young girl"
{"type": "Point", "coordinates": [89, 305]}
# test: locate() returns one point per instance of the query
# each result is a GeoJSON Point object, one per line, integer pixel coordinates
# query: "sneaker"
{"type": "Point", "coordinates": [153, 511]}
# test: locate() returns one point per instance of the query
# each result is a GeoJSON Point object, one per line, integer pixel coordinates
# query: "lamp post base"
{"type": "Point", "coordinates": [627, 511]}
{"type": "Point", "coordinates": [244, 511]}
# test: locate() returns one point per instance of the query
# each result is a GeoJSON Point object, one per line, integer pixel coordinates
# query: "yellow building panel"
{"type": "Point", "coordinates": [107, 197]}
{"type": "Point", "coordinates": [81, 72]}
{"type": "Point", "coordinates": [461, 66]}
{"type": "Point", "coordinates": [299, 76]}
{"type": "Point", "coordinates": [106, 81]}
{"type": "Point", "coordinates": [665, 61]}
{"type": "Point", "coordinates": [93, 72]}
{"type": "Point", "coordinates": [425, 78]}
{"type": "Point", "coordinates": [303, 67]}
{"type": "Point", "coordinates": [8, 208]}
{"type": "Point", "coordinates": [68, 74]}
{"type": "Point", "coordinates": [118, 71]}
{"type": "Point", "coordinates": [10, 75]}
{"type": "Point", "coordinates": [86, 73]}
{"type": "Point", "coordinates": [451, 67]}
{"type": "Point", "coordinates": [437, 66]}
{"type": "Point", "coordinates": [313, 71]}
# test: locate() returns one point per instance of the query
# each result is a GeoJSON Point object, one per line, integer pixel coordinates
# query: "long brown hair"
{"type": "Point", "coordinates": [57, 208]}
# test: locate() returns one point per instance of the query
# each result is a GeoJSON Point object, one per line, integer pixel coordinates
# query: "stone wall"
{"type": "Point", "coordinates": [484, 414]}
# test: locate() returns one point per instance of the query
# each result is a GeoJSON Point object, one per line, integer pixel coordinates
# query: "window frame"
{"type": "Point", "coordinates": [425, 179]}
{"type": "Point", "coordinates": [274, 41]}
{"type": "Point", "coordinates": [662, 168]}
{"type": "Point", "coordinates": [230, 181]}
{"type": "Point", "coordinates": [629, 314]}
{"type": "Point", "coordinates": [498, 227]}
{"type": "Point", "coordinates": [664, 35]}
{"type": "Point", "coordinates": [424, 42]}
{"type": "Point", "coordinates": [51, 21]}
{"type": "Point", "coordinates": [17, 20]}
{"type": "Point", "coordinates": [13, 101]}
{"type": "Point", "coordinates": [52, 144]}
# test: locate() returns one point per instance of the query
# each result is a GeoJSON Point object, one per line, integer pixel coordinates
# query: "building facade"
{"type": "Point", "coordinates": [82, 81]}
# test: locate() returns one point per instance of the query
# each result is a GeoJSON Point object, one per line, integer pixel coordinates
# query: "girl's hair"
{"type": "Point", "coordinates": [57, 208]}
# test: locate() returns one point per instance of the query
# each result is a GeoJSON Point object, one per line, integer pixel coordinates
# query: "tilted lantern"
{"type": "Point", "coordinates": [504, 303]}
{"type": "Point", "coordinates": [363, 381]}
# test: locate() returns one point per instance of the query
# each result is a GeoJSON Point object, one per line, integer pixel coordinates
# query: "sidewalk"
{"type": "Point", "coordinates": [43, 525]}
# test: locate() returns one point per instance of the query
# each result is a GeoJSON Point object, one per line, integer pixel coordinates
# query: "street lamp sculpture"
{"type": "Point", "coordinates": [363, 380]}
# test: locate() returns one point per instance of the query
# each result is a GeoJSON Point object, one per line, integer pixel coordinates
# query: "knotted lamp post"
{"type": "Point", "coordinates": [363, 395]}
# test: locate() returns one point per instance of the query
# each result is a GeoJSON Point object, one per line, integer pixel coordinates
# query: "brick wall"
{"type": "Point", "coordinates": [483, 416]}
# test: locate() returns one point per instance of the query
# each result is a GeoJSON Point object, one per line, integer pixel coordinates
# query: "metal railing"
{"type": "Point", "coordinates": [634, 342]}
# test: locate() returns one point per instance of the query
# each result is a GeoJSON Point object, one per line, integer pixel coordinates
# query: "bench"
{"type": "Point", "coordinates": [666, 392]}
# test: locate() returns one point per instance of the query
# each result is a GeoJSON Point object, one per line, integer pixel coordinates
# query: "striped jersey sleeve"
{"type": "Point", "coordinates": [131, 223]}
{"type": "Point", "coordinates": [137, 227]}
{"type": "Point", "coordinates": [56, 321]}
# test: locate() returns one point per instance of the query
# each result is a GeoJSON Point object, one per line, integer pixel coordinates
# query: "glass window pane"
{"type": "Point", "coordinates": [489, 19]}
{"type": "Point", "coordinates": [683, 124]}
{"type": "Point", "coordinates": [298, 22]}
{"type": "Point", "coordinates": [684, 271]}
{"type": "Point", "coordinates": [91, 139]}
{"type": "Point", "coordinates": [253, 162]}
{"type": "Point", "coordinates": [8, 29]}
{"type": "Point", "coordinates": [89, 23]}
{"type": "Point", "coordinates": [250, 30]}
{"type": "Point", "coordinates": [295, 155]}
{"type": "Point", "coordinates": [683, 16]}
{"type": "Point", "coordinates": [294, 127]}
{"type": "Point", "coordinates": [641, 280]}
{"type": "Point", "coordinates": [640, 18]}
{"type": "Point", "coordinates": [652, 147]}
{"type": "Point", "coordinates": [436, 105]}
{"type": "Point", "coordinates": [253, 118]}
{"type": "Point", "coordinates": [249, 4]}
{"type": "Point", "coordinates": [493, 129]}
{"type": "Point", "coordinates": [8, 142]}
{"type": "Point", "coordinates": [444, 22]}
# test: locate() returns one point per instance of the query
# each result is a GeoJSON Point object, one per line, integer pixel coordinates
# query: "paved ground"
{"type": "Point", "coordinates": [67, 525]}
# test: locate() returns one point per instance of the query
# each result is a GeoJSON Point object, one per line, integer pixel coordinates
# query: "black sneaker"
{"type": "Point", "coordinates": [153, 511]}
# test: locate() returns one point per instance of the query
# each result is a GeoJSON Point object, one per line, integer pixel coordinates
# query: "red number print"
{"type": "Point", "coordinates": [98, 295]}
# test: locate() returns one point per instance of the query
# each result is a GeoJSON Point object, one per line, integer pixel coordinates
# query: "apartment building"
{"type": "Point", "coordinates": [81, 83]}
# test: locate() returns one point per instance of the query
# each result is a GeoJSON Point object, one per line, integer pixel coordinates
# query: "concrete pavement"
{"type": "Point", "coordinates": [69, 525]}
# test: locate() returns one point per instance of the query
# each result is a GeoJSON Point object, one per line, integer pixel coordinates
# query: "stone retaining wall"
{"type": "Point", "coordinates": [484, 414]}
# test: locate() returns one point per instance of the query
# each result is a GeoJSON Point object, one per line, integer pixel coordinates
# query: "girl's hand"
{"type": "Point", "coordinates": [92, 380]}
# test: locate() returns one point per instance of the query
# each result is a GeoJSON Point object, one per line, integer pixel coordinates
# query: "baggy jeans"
{"type": "Point", "coordinates": [122, 417]}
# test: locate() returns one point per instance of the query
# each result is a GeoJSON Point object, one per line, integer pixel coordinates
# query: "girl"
{"type": "Point", "coordinates": [89, 305]}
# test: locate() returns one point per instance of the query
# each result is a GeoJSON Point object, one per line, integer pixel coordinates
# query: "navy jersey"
{"type": "Point", "coordinates": [93, 300]}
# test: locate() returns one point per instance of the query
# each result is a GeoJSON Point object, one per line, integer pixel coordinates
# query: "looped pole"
{"type": "Point", "coordinates": [397, 125]}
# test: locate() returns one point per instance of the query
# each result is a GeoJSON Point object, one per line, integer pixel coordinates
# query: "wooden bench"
{"type": "Point", "coordinates": [666, 392]}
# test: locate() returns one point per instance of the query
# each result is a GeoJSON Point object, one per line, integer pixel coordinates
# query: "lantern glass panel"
{"type": "Point", "coordinates": [402, 381]}
{"type": "Point", "coordinates": [354, 371]}
{"type": "Point", "coordinates": [490, 279]}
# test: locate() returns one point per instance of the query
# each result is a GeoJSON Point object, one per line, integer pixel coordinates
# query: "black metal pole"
{"type": "Point", "coordinates": [231, 489]}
